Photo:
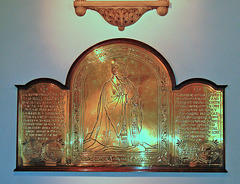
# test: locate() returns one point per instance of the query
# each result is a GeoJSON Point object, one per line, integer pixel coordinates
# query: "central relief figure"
{"type": "Point", "coordinates": [119, 115]}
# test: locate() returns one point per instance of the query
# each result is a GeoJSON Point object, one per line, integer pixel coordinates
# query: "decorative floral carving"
{"type": "Point", "coordinates": [122, 17]}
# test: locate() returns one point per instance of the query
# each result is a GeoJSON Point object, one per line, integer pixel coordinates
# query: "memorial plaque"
{"type": "Point", "coordinates": [42, 124]}
{"type": "Point", "coordinates": [198, 125]}
{"type": "Point", "coordinates": [121, 110]}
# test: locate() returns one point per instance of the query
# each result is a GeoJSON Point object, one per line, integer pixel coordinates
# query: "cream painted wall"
{"type": "Point", "coordinates": [42, 38]}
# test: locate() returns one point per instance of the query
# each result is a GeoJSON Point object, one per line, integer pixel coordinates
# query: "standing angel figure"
{"type": "Point", "coordinates": [119, 114]}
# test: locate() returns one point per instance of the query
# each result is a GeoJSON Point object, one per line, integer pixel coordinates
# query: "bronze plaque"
{"type": "Point", "coordinates": [198, 126]}
{"type": "Point", "coordinates": [121, 110]}
{"type": "Point", "coordinates": [43, 127]}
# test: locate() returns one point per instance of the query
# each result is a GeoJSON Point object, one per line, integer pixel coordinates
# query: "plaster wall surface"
{"type": "Point", "coordinates": [199, 39]}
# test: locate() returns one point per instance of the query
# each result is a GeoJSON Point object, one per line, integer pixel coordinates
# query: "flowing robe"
{"type": "Point", "coordinates": [119, 117]}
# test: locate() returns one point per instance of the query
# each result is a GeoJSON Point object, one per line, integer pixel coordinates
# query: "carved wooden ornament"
{"type": "Point", "coordinates": [121, 13]}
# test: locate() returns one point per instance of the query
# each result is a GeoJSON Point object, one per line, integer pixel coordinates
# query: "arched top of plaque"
{"type": "Point", "coordinates": [201, 81]}
{"type": "Point", "coordinates": [125, 50]}
{"type": "Point", "coordinates": [41, 80]}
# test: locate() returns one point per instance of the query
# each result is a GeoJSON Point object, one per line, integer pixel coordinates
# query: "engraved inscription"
{"type": "Point", "coordinates": [43, 123]}
{"type": "Point", "coordinates": [198, 122]}
{"type": "Point", "coordinates": [198, 115]}
{"type": "Point", "coordinates": [43, 115]}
